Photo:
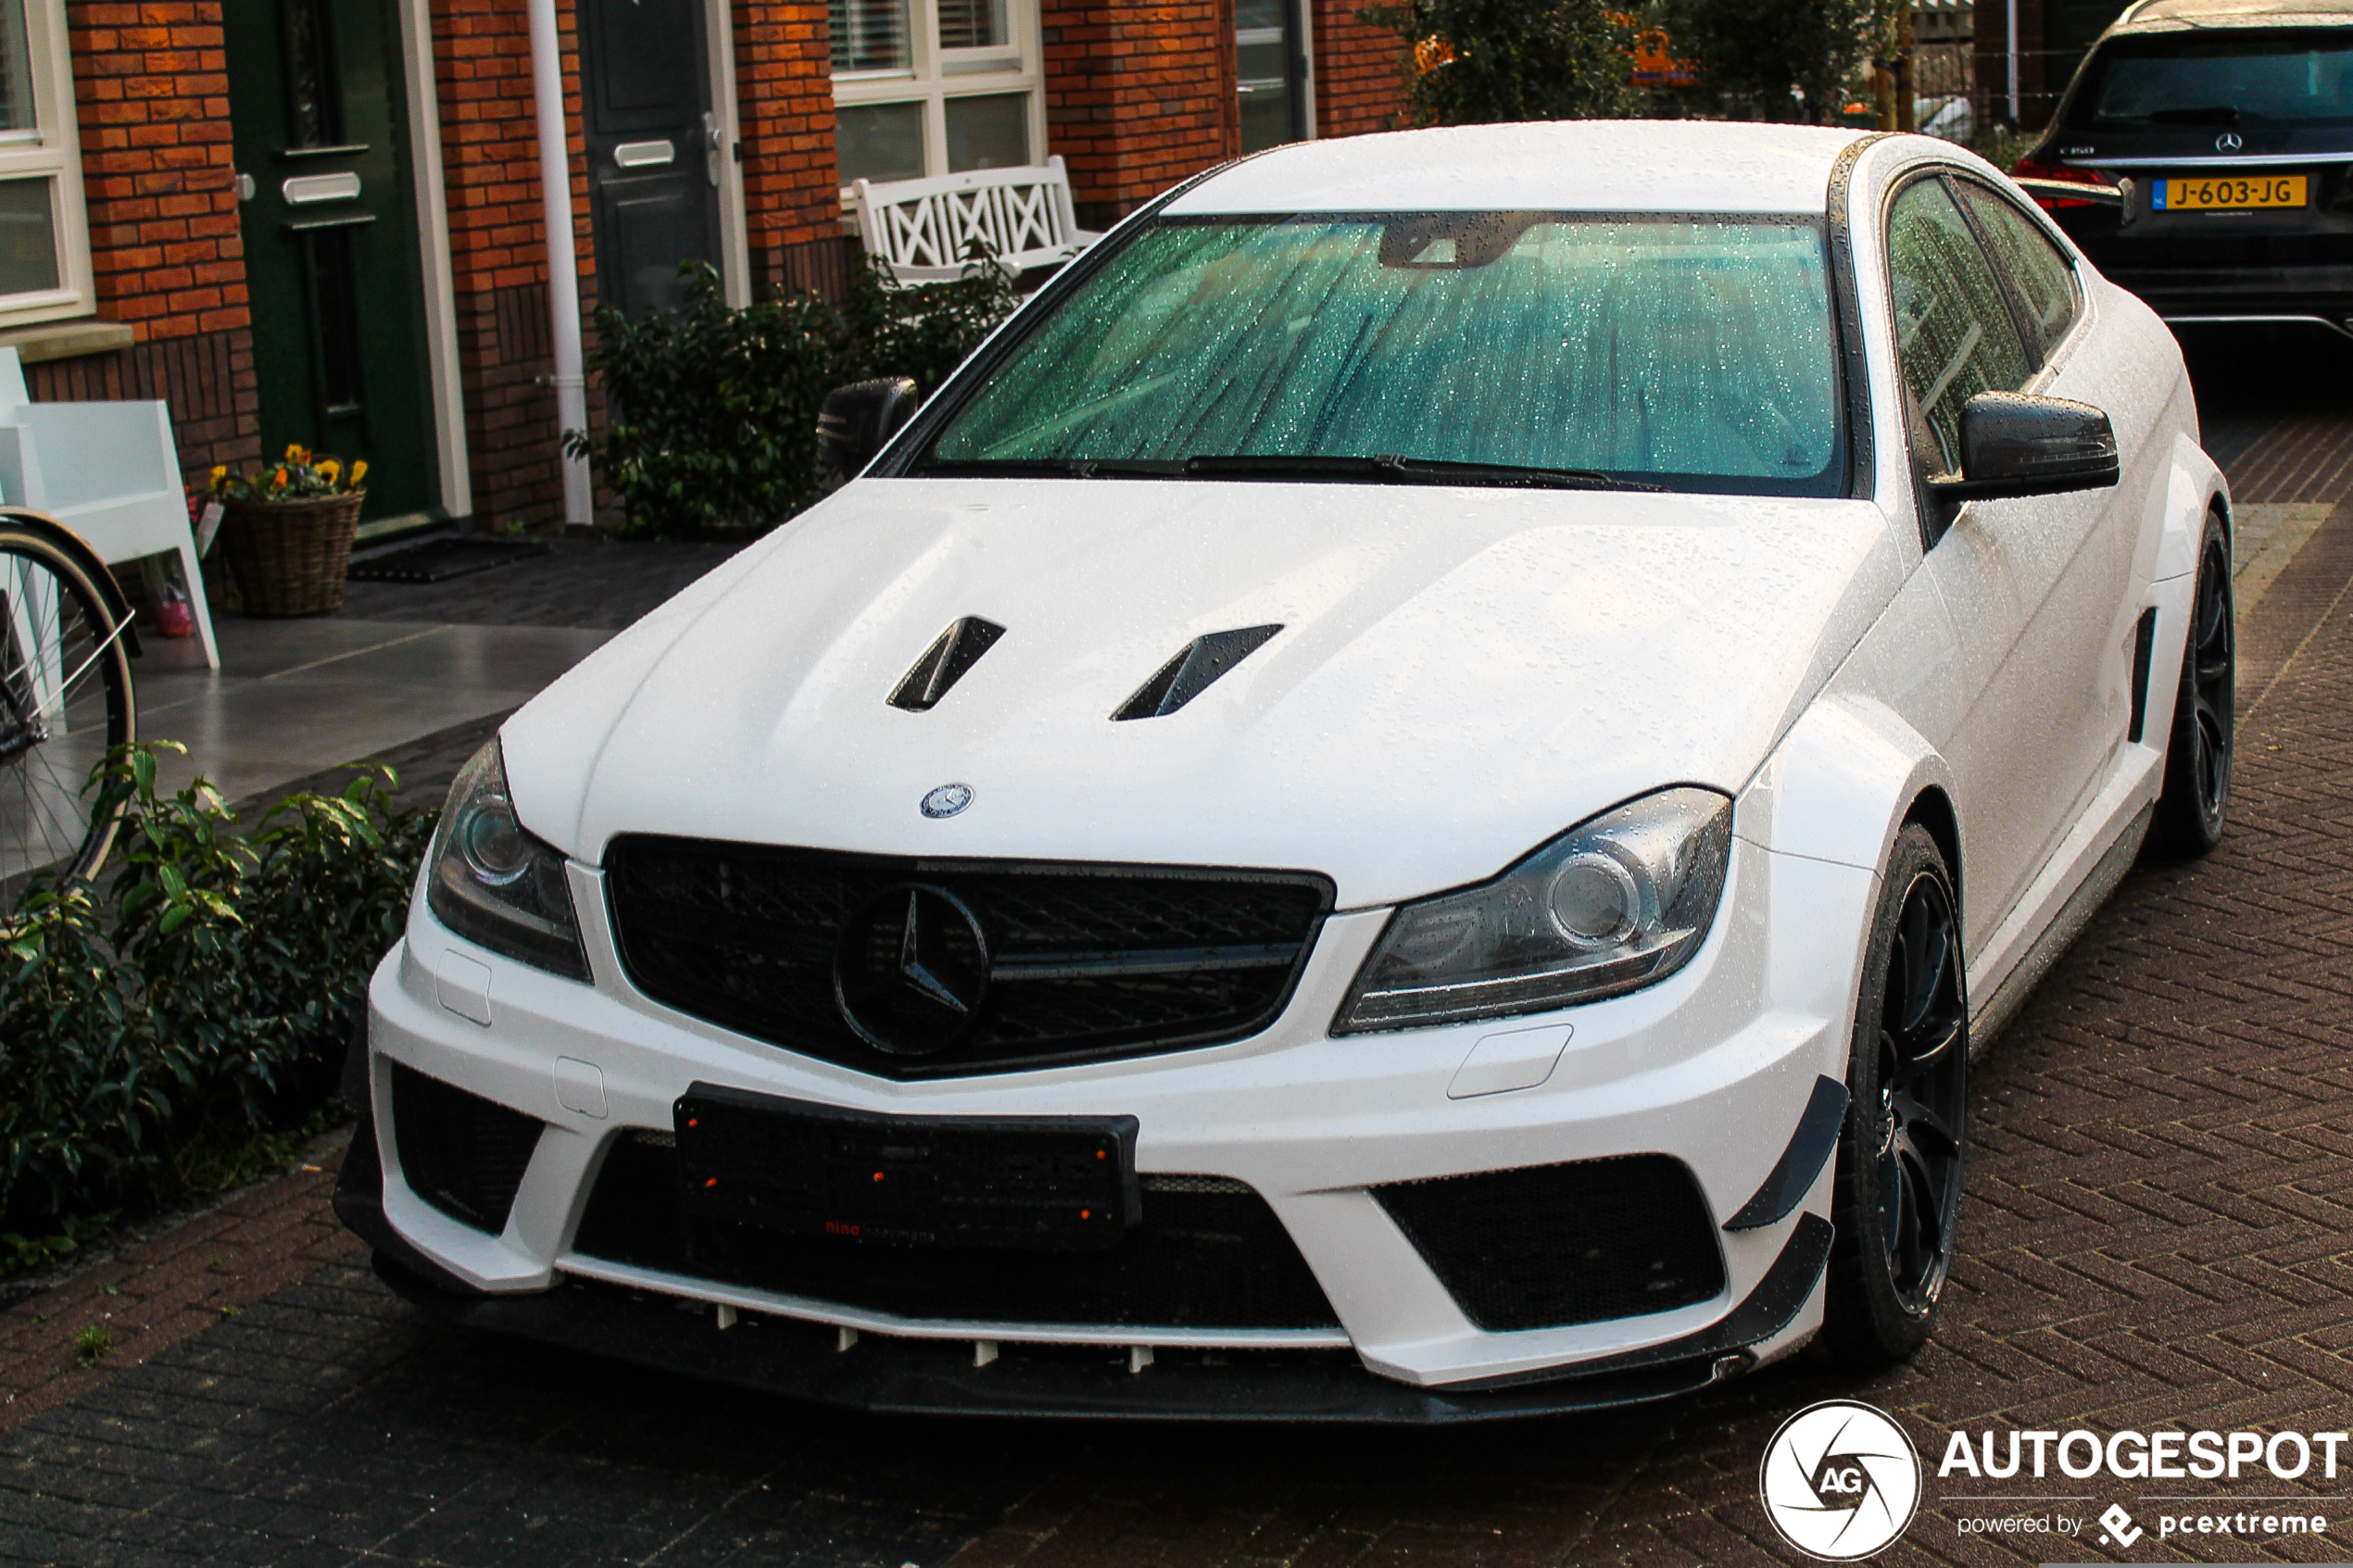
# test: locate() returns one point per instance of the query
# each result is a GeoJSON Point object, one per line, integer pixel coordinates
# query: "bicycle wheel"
{"type": "Point", "coordinates": [65, 702]}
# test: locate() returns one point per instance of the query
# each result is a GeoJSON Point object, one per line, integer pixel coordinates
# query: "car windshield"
{"type": "Point", "coordinates": [1685, 353]}
{"type": "Point", "coordinates": [2237, 79]}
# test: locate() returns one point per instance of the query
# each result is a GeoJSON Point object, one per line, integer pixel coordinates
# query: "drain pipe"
{"type": "Point", "coordinates": [2012, 63]}
{"type": "Point", "coordinates": [563, 264]}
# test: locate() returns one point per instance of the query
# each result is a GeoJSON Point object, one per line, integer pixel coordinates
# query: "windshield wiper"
{"type": "Point", "coordinates": [1056, 468]}
{"type": "Point", "coordinates": [1391, 469]}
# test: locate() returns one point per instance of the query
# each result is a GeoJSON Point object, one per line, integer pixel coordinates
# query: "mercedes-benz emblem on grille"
{"type": "Point", "coordinates": [2228, 141]}
{"type": "Point", "coordinates": [912, 970]}
{"type": "Point", "coordinates": [948, 799]}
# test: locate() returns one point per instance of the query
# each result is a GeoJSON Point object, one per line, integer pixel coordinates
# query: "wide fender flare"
{"type": "Point", "coordinates": [74, 545]}
{"type": "Point", "coordinates": [2193, 487]}
{"type": "Point", "coordinates": [1826, 805]}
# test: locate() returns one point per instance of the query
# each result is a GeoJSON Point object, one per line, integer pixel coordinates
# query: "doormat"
{"type": "Point", "coordinates": [437, 560]}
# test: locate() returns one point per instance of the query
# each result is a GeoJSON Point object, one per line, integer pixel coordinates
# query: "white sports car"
{"type": "Point", "coordinates": [1401, 802]}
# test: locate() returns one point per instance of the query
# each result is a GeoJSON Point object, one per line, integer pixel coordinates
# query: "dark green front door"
{"type": "Point", "coordinates": [320, 118]}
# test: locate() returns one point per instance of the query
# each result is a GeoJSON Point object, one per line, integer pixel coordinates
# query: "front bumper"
{"type": "Point", "coordinates": [1713, 1066]}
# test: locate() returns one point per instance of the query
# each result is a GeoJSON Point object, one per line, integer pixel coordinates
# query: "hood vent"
{"type": "Point", "coordinates": [1191, 673]}
{"type": "Point", "coordinates": [944, 663]}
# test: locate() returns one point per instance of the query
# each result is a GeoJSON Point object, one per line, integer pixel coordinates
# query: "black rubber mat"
{"type": "Point", "coordinates": [437, 560]}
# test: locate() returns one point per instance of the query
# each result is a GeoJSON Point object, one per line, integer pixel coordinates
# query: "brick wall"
{"type": "Point", "coordinates": [151, 90]}
{"type": "Point", "coordinates": [1139, 97]}
{"type": "Point", "coordinates": [1360, 83]}
{"type": "Point", "coordinates": [784, 118]}
{"type": "Point", "coordinates": [497, 248]}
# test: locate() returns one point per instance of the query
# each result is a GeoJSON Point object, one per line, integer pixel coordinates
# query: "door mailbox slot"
{"type": "Point", "coordinates": [304, 189]}
{"type": "Point", "coordinates": [645, 155]}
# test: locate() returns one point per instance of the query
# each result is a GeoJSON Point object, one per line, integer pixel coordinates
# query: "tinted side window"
{"type": "Point", "coordinates": [2038, 272]}
{"type": "Point", "coordinates": [1953, 331]}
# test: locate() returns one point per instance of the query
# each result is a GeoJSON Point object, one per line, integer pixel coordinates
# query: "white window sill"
{"type": "Point", "coordinates": [66, 340]}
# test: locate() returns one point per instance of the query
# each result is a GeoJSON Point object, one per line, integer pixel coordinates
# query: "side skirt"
{"type": "Point", "coordinates": [1992, 1013]}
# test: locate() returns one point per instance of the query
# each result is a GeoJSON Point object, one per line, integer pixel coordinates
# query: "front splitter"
{"type": "Point", "coordinates": [938, 1378]}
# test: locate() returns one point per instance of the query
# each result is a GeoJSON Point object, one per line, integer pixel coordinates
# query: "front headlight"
{"type": "Point", "coordinates": [1611, 906]}
{"type": "Point", "coordinates": [494, 884]}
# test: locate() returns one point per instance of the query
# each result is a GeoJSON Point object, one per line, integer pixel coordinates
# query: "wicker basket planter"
{"type": "Point", "coordinates": [289, 558]}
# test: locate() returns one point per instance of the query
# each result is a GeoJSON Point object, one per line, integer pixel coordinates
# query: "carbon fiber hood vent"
{"type": "Point", "coordinates": [1192, 672]}
{"type": "Point", "coordinates": [944, 663]}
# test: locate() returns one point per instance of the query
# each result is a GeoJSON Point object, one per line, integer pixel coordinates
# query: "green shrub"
{"type": "Point", "coordinates": [1792, 59]}
{"type": "Point", "coordinates": [212, 1011]}
{"type": "Point", "coordinates": [1480, 62]}
{"type": "Point", "coordinates": [713, 411]}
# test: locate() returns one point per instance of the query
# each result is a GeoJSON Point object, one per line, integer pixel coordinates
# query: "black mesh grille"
{"type": "Point", "coordinates": [459, 1152]}
{"type": "Point", "coordinates": [1209, 1254]}
{"type": "Point", "coordinates": [1083, 961]}
{"type": "Point", "coordinates": [1551, 1245]}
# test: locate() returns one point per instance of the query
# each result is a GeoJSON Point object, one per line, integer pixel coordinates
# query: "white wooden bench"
{"type": "Point", "coordinates": [924, 229]}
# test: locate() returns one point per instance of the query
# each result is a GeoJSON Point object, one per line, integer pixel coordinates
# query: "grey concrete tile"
{"type": "Point", "coordinates": [300, 696]}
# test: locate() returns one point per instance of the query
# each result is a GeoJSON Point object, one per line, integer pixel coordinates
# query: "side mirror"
{"type": "Point", "coordinates": [858, 419]}
{"type": "Point", "coordinates": [2014, 444]}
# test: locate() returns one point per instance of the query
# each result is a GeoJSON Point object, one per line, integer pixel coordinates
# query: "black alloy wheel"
{"type": "Point", "coordinates": [1897, 1202]}
{"type": "Point", "coordinates": [2198, 751]}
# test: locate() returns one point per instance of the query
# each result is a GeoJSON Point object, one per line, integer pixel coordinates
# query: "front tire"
{"type": "Point", "coordinates": [1897, 1198]}
{"type": "Point", "coordinates": [2198, 752]}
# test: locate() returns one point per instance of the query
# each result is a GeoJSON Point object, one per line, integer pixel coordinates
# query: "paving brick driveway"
{"type": "Point", "coordinates": [2157, 1236]}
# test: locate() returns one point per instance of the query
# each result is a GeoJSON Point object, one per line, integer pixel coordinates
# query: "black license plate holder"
{"type": "Point", "coordinates": [789, 1167]}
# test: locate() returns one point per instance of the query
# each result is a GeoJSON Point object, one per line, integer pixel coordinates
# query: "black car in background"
{"type": "Point", "coordinates": [2211, 142]}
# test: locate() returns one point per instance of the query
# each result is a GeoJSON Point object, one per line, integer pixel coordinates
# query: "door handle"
{"type": "Point", "coordinates": [710, 140]}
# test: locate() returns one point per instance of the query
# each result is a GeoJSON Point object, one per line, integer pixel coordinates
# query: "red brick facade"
{"type": "Point", "coordinates": [1138, 95]}
{"type": "Point", "coordinates": [784, 118]}
{"type": "Point", "coordinates": [1360, 79]}
{"type": "Point", "coordinates": [151, 89]}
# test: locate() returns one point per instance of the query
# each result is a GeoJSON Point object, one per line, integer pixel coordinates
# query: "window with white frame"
{"type": "Point", "coordinates": [44, 244]}
{"type": "Point", "coordinates": [934, 87]}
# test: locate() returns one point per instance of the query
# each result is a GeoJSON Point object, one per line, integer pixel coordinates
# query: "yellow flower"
{"type": "Point", "coordinates": [296, 455]}
{"type": "Point", "coordinates": [220, 474]}
{"type": "Point", "coordinates": [328, 469]}
{"type": "Point", "coordinates": [358, 470]}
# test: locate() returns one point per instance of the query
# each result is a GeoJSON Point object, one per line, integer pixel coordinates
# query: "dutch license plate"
{"type": "Point", "coordinates": [790, 1168]}
{"type": "Point", "coordinates": [2228, 194]}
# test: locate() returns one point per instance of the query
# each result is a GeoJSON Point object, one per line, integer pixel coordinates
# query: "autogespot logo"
{"type": "Point", "coordinates": [1840, 1480]}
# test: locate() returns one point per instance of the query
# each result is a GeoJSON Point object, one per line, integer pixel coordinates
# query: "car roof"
{"type": "Point", "coordinates": [2188, 16]}
{"type": "Point", "coordinates": [1572, 166]}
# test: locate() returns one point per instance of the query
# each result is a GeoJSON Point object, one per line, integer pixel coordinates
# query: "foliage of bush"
{"type": "Point", "coordinates": [1478, 62]}
{"type": "Point", "coordinates": [205, 999]}
{"type": "Point", "coordinates": [1792, 59]}
{"type": "Point", "coordinates": [713, 411]}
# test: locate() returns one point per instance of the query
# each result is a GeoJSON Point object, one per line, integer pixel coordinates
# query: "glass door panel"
{"type": "Point", "coordinates": [1270, 72]}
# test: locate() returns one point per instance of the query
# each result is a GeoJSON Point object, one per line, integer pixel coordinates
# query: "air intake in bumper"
{"type": "Point", "coordinates": [462, 1153]}
{"type": "Point", "coordinates": [1208, 1254]}
{"type": "Point", "coordinates": [1550, 1246]}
